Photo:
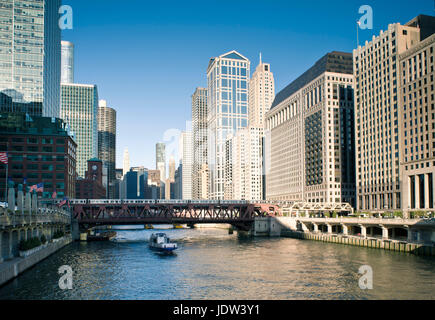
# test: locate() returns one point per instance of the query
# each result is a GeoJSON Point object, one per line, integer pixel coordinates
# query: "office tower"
{"type": "Point", "coordinates": [67, 62]}
{"type": "Point", "coordinates": [379, 140]}
{"type": "Point", "coordinates": [199, 140]}
{"type": "Point", "coordinates": [79, 109]}
{"type": "Point", "coordinates": [261, 94]}
{"type": "Point", "coordinates": [311, 134]}
{"type": "Point", "coordinates": [30, 56]}
{"type": "Point", "coordinates": [171, 176]}
{"type": "Point", "coordinates": [417, 125]}
{"type": "Point", "coordinates": [186, 156]}
{"type": "Point", "coordinates": [154, 184]}
{"type": "Point", "coordinates": [107, 142]}
{"type": "Point", "coordinates": [244, 165]}
{"type": "Point", "coordinates": [227, 103]}
{"type": "Point", "coordinates": [161, 160]}
{"type": "Point", "coordinates": [126, 162]}
{"type": "Point", "coordinates": [40, 150]}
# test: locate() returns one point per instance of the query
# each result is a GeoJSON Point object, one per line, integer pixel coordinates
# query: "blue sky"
{"type": "Point", "coordinates": [147, 57]}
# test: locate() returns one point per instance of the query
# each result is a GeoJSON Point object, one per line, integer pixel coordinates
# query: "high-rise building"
{"type": "Point", "coordinates": [186, 155]}
{"type": "Point", "coordinates": [199, 140]}
{"type": "Point", "coordinates": [416, 126]}
{"type": "Point", "coordinates": [107, 142]}
{"type": "Point", "coordinates": [67, 62]}
{"type": "Point", "coordinates": [161, 160]}
{"type": "Point", "coordinates": [261, 94]}
{"type": "Point", "coordinates": [171, 176]}
{"type": "Point", "coordinates": [30, 55]}
{"type": "Point", "coordinates": [227, 103]}
{"type": "Point", "coordinates": [126, 162]}
{"type": "Point", "coordinates": [244, 165]}
{"type": "Point", "coordinates": [311, 135]}
{"type": "Point", "coordinates": [383, 89]}
{"type": "Point", "coordinates": [79, 109]}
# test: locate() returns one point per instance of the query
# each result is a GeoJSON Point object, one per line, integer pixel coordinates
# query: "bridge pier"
{"type": "Point", "coordinates": [267, 226]}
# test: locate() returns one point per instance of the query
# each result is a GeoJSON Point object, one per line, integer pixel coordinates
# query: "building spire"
{"type": "Point", "coordinates": [260, 58]}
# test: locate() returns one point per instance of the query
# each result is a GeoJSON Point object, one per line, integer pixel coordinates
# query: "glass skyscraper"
{"type": "Point", "coordinates": [228, 87]}
{"type": "Point", "coordinates": [30, 56]}
{"type": "Point", "coordinates": [67, 62]}
{"type": "Point", "coordinates": [79, 109]}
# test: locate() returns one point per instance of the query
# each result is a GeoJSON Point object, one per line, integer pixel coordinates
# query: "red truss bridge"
{"type": "Point", "coordinates": [240, 214]}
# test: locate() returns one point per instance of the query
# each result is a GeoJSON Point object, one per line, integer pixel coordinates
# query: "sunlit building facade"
{"type": "Point", "coordinates": [227, 101]}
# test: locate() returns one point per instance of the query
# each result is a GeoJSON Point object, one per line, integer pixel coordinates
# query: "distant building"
{"type": "Point", "coordinates": [186, 162]}
{"type": "Point", "coordinates": [154, 185]}
{"type": "Point", "coordinates": [91, 187]}
{"type": "Point", "coordinates": [135, 183]}
{"type": "Point", "coordinates": [67, 62]}
{"type": "Point", "coordinates": [311, 135]}
{"type": "Point", "coordinates": [161, 160]}
{"type": "Point", "coordinates": [199, 140]}
{"type": "Point", "coordinates": [79, 109]}
{"type": "Point", "coordinates": [30, 56]}
{"type": "Point", "coordinates": [40, 149]}
{"type": "Point", "coordinates": [107, 142]}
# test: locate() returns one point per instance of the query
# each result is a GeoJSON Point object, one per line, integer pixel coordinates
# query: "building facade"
{"type": "Point", "coordinates": [40, 150]}
{"type": "Point", "coordinates": [107, 142]}
{"type": "Point", "coordinates": [30, 55]}
{"type": "Point", "coordinates": [378, 84]}
{"type": "Point", "coordinates": [91, 187]}
{"type": "Point", "coordinates": [199, 141]}
{"type": "Point", "coordinates": [161, 160]}
{"type": "Point", "coordinates": [310, 135]}
{"type": "Point", "coordinates": [227, 101]}
{"type": "Point", "coordinates": [186, 165]}
{"type": "Point", "coordinates": [125, 162]}
{"type": "Point", "coordinates": [79, 109]}
{"type": "Point", "coordinates": [261, 94]}
{"type": "Point", "coordinates": [67, 62]}
{"type": "Point", "coordinates": [417, 125]}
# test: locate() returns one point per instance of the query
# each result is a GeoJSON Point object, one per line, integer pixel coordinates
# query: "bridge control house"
{"type": "Point", "coordinates": [40, 150]}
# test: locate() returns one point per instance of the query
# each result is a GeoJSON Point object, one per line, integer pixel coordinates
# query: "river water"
{"type": "Point", "coordinates": [211, 264]}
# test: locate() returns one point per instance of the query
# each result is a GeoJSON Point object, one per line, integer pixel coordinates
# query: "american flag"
{"type": "Point", "coordinates": [37, 187]}
{"type": "Point", "coordinates": [63, 202]}
{"type": "Point", "coordinates": [4, 157]}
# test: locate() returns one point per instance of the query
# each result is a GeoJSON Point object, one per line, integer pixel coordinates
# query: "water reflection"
{"type": "Point", "coordinates": [210, 264]}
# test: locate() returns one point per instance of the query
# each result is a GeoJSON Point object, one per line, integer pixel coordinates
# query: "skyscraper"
{"type": "Point", "coordinates": [30, 55]}
{"type": "Point", "coordinates": [227, 101]}
{"type": "Point", "coordinates": [261, 94]}
{"type": "Point", "coordinates": [67, 62]}
{"type": "Point", "coordinates": [186, 156]}
{"type": "Point", "coordinates": [199, 141]}
{"type": "Point", "coordinates": [79, 109]}
{"type": "Point", "coordinates": [161, 160]}
{"type": "Point", "coordinates": [107, 142]}
{"type": "Point", "coordinates": [393, 136]}
{"type": "Point", "coordinates": [311, 137]}
{"type": "Point", "coordinates": [126, 162]}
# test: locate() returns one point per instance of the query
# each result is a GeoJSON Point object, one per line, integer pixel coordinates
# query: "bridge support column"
{"type": "Point", "coordinates": [363, 231]}
{"type": "Point", "coordinates": [329, 228]}
{"type": "Point", "coordinates": [345, 229]}
{"type": "Point", "coordinates": [316, 228]}
{"type": "Point", "coordinates": [75, 230]}
{"type": "Point", "coordinates": [384, 233]}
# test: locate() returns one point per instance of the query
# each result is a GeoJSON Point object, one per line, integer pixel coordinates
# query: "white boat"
{"type": "Point", "coordinates": [161, 242]}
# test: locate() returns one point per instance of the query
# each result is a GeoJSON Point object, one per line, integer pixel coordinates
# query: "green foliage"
{"type": "Point", "coordinates": [43, 239]}
{"type": "Point", "coordinates": [58, 234]}
{"type": "Point", "coordinates": [29, 244]}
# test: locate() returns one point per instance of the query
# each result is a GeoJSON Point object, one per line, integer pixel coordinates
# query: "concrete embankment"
{"type": "Point", "coordinates": [12, 268]}
{"type": "Point", "coordinates": [290, 228]}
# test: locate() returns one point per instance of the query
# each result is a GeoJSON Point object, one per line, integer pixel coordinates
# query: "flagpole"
{"type": "Point", "coordinates": [6, 189]}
